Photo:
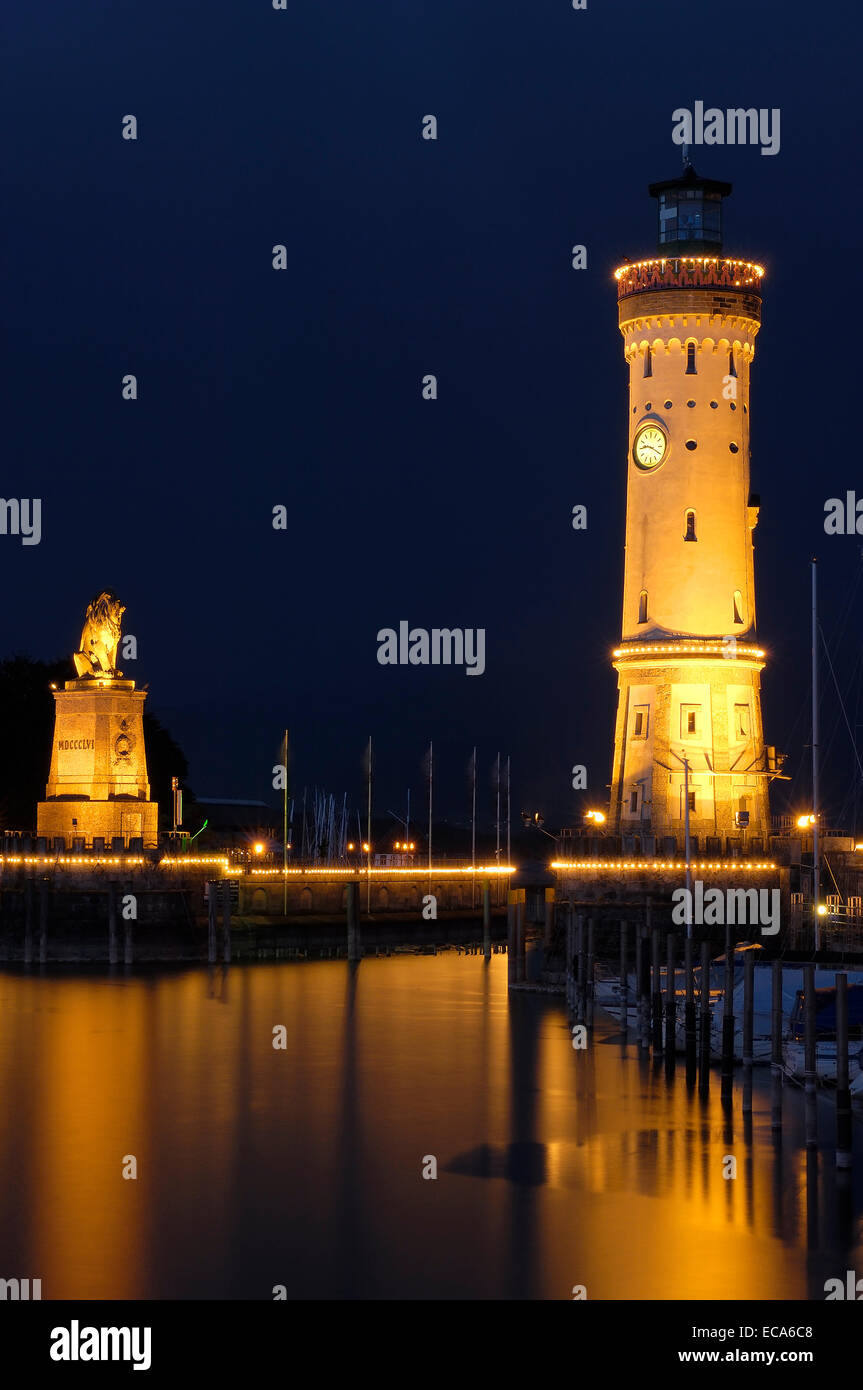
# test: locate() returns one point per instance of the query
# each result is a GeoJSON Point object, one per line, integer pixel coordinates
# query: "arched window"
{"type": "Point", "coordinates": [642, 606]}
{"type": "Point", "coordinates": [689, 534]}
{"type": "Point", "coordinates": [648, 361]}
{"type": "Point", "coordinates": [732, 370]}
{"type": "Point", "coordinates": [690, 359]}
{"type": "Point", "coordinates": [738, 606]}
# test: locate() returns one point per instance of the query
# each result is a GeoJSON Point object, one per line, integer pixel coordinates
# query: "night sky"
{"type": "Point", "coordinates": [303, 387]}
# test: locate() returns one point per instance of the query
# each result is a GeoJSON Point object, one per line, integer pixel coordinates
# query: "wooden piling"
{"type": "Point", "coordinates": [352, 913]}
{"type": "Point", "coordinates": [689, 1009]}
{"type": "Point", "coordinates": [520, 942]}
{"type": "Point", "coordinates": [704, 1001]}
{"type": "Point", "coordinates": [226, 920]}
{"type": "Point", "coordinates": [624, 980]}
{"type": "Point", "coordinates": [776, 1048]}
{"type": "Point", "coordinates": [656, 994]}
{"type": "Point", "coordinates": [486, 920]}
{"type": "Point", "coordinates": [670, 1002]}
{"type": "Point", "coordinates": [43, 922]}
{"type": "Point", "coordinates": [112, 923]}
{"type": "Point", "coordinates": [548, 931]}
{"type": "Point", "coordinates": [748, 1026]}
{"type": "Point", "coordinates": [641, 1027]}
{"type": "Point", "coordinates": [591, 970]}
{"type": "Point", "coordinates": [843, 1094]}
{"type": "Point", "coordinates": [28, 921]}
{"type": "Point", "coordinates": [727, 1064]}
{"type": "Point", "coordinates": [581, 990]}
{"type": "Point", "coordinates": [810, 1073]}
{"type": "Point", "coordinates": [212, 905]}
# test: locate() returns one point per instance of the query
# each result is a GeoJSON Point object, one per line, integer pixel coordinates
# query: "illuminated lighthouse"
{"type": "Point", "coordinates": [689, 713]}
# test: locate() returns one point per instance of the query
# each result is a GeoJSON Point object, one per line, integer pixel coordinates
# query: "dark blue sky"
{"type": "Point", "coordinates": [302, 127]}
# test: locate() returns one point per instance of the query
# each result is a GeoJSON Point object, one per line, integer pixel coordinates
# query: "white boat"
{"type": "Point", "coordinates": [607, 994]}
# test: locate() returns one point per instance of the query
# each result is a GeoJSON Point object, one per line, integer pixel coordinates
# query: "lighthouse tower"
{"type": "Point", "coordinates": [689, 712]}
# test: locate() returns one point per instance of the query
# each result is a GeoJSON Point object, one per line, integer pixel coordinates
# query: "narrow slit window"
{"type": "Point", "coordinates": [642, 606]}
{"type": "Point", "coordinates": [732, 370]}
{"type": "Point", "coordinates": [738, 607]}
{"type": "Point", "coordinates": [648, 361]}
{"type": "Point", "coordinates": [689, 534]}
{"type": "Point", "coordinates": [692, 801]}
{"type": "Point", "coordinates": [690, 359]}
{"type": "Point", "coordinates": [633, 802]}
{"type": "Point", "coordinates": [639, 724]}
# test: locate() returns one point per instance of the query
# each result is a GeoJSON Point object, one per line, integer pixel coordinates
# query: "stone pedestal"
{"type": "Point", "coordinates": [98, 783]}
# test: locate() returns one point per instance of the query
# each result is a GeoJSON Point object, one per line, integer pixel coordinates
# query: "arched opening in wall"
{"type": "Point", "coordinates": [259, 900]}
{"type": "Point", "coordinates": [689, 534]}
{"type": "Point", "coordinates": [642, 606]}
{"type": "Point", "coordinates": [738, 607]}
{"type": "Point", "coordinates": [648, 361]}
{"type": "Point", "coordinates": [690, 359]}
{"type": "Point", "coordinates": [306, 900]}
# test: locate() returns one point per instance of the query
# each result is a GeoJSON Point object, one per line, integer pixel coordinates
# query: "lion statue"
{"type": "Point", "coordinates": [101, 637]}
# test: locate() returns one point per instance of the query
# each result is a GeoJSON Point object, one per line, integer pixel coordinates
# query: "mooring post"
{"type": "Point", "coordinates": [520, 944]}
{"type": "Point", "coordinates": [670, 1003]}
{"type": "Point", "coordinates": [569, 958]}
{"type": "Point", "coordinates": [43, 922]}
{"type": "Point", "coordinates": [128, 956]}
{"type": "Point", "coordinates": [642, 970]}
{"type": "Point", "coordinates": [212, 906]}
{"type": "Point", "coordinates": [657, 994]}
{"type": "Point", "coordinates": [510, 937]}
{"type": "Point", "coordinates": [624, 980]}
{"type": "Point", "coordinates": [843, 1093]}
{"type": "Point", "coordinates": [352, 909]}
{"type": "Point", "coordinates": [549, 920]}
{"type": "Point", "coordinates": [28, 921]}
{"type": "Point", "coordinates": [728, 1018]}
{"type": "Point", "coordinates": [704, 1001]}
{"type": "Point", "coordinates": [810, 1072]}
{"type": "Point", "coordinates": [226, 920]}
{"type": "Point", "coordinates": [112, 923]}
{"type": "Point", "coordinates": [582, 968]}
{"type": "Point", "coordinates": [689, 1010]}
{"type": "Point", "coordinates": [591, 954]}
{"type": "Point", "coordinates": [748, 1029]}
{"type": "Point", "coordinates": [486, 920]}
{"type": "Point", "coordinates": [776, 1047]}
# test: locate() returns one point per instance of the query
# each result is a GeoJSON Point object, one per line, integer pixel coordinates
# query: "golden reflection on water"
{"type": "Point", "coordinates": [302, 1166]}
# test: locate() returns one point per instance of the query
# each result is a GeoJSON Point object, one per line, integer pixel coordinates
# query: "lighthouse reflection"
{"type": "Point", "coordinates": [308, 1166]}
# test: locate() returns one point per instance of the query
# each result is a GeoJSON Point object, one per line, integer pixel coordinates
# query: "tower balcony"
{"type": "Point", "coordinates": [687, 272]}
{"type": "Point", "coordinates": [676, 650]}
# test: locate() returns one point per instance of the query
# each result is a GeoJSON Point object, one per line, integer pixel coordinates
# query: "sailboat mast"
{"type": "Point", "coordinates": [816, 866]}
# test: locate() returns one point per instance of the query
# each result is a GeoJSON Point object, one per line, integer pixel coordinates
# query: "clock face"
{"type": "Point", "coordinates": [649, 446]}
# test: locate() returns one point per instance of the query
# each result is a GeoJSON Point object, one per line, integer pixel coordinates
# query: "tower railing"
{"type": "Point", "coordinates": [686, 271]}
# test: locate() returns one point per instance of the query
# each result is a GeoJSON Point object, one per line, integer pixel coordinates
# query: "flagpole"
{"type": "Point", "coordinates": [285, 852]}
{"type": "Point", "coordinates": [473, 826]}
{"type": "Point", "coordinates": [369, 839]}
{"type": "Point", "coordinates": [431, 782]}
{"type": "Point", "coordinates": [497, 813]}
{"type": "Point", "coordinates": [508, 815]}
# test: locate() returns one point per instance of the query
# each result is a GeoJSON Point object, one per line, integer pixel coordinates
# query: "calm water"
{"type": "Point", "coordinates": [302, 1167]}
